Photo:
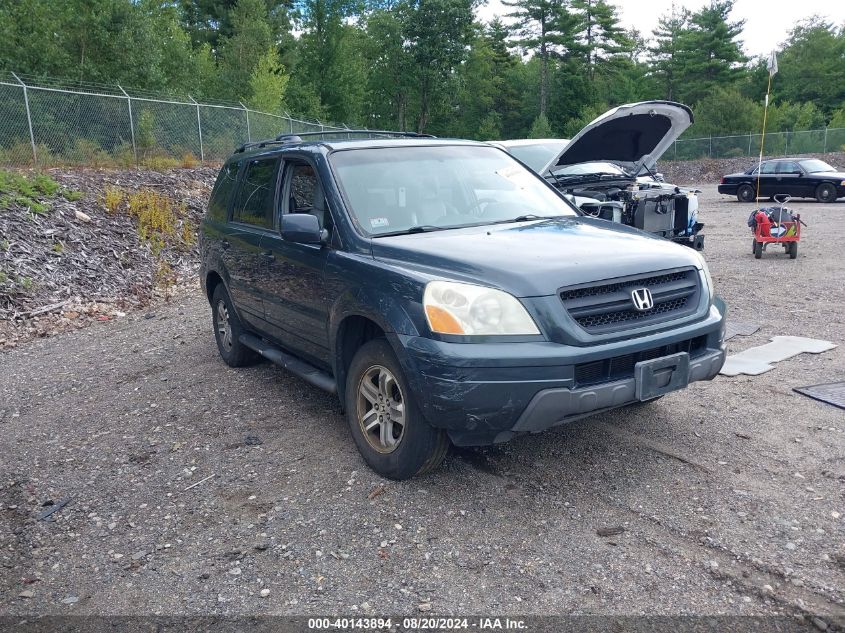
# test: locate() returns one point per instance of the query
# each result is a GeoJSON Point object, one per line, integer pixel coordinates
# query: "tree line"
{"type": "Point", "coordinates": [544, 68]}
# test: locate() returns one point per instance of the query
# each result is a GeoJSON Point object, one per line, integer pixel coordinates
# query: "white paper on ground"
{"type": "Point", "coordinates": [758, 360]}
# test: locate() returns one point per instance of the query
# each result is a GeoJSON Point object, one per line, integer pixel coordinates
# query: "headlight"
{"type": "Point", "coordinates": [710, 289]}
{"type": "Point", "coordinates": [465, 309]}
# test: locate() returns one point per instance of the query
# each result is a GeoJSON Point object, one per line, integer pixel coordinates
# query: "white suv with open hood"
{"type": "Point", "coordinates": [608, 169]}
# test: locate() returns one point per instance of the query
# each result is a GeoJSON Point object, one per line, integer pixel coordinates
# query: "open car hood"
{"type": "Point", "coordinates": [630, 135]}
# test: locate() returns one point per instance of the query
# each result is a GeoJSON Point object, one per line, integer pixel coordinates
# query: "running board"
{"type": "Point", "coordinates": [308, 373]}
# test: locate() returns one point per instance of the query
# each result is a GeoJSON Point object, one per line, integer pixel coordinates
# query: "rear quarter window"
{"type": "Point", "coordinates": [218, 206]}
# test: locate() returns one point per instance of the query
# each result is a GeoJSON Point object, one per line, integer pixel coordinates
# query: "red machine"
{"type": "Point", "coordinates": [776, 226]}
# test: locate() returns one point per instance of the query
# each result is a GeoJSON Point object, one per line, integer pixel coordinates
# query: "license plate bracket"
{"type": "Point", "coordinates": [661, 375]}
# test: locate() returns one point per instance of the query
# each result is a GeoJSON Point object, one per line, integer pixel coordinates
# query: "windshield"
{"type": "Point", "coordinates": [391, 190]}
{"type": "Point", "coordinates": [589, 168]}
{"type": "Point", "coordinates": [815, 166]}
{"type": "Point", "coordinates": [536, 156]}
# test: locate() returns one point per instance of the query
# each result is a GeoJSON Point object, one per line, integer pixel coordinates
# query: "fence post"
{"type": "Point", "coordinates": [824, 151]}
{"type": "Point", "coordinates": [131, 123]}
{"type": "Point", "coordinates": [749, 145]}
{"type": "Point", "coordinates": [248, 133]}
{"type": "Point", "coordinates": [710, 154]}
{"type": "Point", "coordinates": [199, 129]}
{"type": "Point", "coordinates": [675, 146]}
{"type": "Point", "coordinates": [28, 119]}
{"type": "Point", "coordinates": [786, 144]}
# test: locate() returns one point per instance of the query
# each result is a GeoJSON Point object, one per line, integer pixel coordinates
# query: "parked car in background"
{"type": "Point", "coordinates": [445, 292]}
{"type": "Point", "coordinates": [796, 177]}
{"type": "Point", "coordinates": [608, 169]}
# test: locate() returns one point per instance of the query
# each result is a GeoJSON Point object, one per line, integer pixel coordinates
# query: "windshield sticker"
{"type": "Point", "coordinates": [379, 223]}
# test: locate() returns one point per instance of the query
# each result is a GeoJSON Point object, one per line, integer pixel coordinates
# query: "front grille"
{"type": "Point", "coordinates": [607, 306]}
{"type": "Point", "coordinates": [622, 367]}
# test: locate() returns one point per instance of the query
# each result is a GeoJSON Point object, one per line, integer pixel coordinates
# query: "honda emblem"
{"type": "Point", "coordinates": [642, 299]}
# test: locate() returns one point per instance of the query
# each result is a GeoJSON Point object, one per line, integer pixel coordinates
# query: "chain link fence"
{"type": "Point", "coordinates": [48, 122]}
{"type": "Point", "coordinates": [775, 144]}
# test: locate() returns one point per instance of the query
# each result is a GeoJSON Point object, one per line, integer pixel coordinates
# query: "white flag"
{"type": "Point", "coordinates": [772, 64]}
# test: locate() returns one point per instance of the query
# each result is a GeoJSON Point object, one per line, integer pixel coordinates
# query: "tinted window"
{"type": "Point", "coordinates": [254, 204]}
{"type": "Point", "coordinates": [218, 206]}
{"type": "Point", "coordinates": [788, 167]}
{"type": "Point", "coordinates": [769, 168]}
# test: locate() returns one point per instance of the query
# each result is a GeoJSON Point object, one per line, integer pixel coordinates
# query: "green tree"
{"type": "Point", "coordinates": [541, 128]}
{"type": "Point", "coordinates": [438, 33]}
{"type": "Point", "coordinates": [663, 54]}
{"type": "Point", "coordinates": [267, 83]}
{"type": "Point", "coordinates": [599, 33]}
{"type": "Point", "coordinates": [547, 29]}
{"type": "Point", "coordinates": [812, 65]}
{"type": "Point", "coordinates": [241, 52]}
{"type": "Point", "coordinates": [709, 52]}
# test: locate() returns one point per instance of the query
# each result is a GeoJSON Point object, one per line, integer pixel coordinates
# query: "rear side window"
{"type": "Point", "coordinates": [785, 167]}
{"type": "Point", "coordinates": [254, 202]}
{"type": "Point", "coordinates": [226, 181]}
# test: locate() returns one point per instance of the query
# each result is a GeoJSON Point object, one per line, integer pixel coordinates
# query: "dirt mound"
{"type": "Point", "coordinates": [82, 241]}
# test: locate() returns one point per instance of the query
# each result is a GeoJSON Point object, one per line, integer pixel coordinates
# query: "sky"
{"type": "Point", "coordinates": [766, 22]}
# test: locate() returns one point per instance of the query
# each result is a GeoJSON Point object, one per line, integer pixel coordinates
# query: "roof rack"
{"type": "Point", "coordinates": [284, 139]}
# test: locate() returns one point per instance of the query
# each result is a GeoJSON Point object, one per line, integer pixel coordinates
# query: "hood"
{"type": "Point", "coordinates": [631, 136]}
{"type": "Point", "coordinates": [534, 258]}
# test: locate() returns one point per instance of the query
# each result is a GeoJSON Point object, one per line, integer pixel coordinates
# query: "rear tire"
{"type": "Point", "coordinates": [826, 192]}
{"type": "Point", "coordinates": [228, 330]}
{"type": "Point", "coordinates": [758, 250]}
{"type": "Point", "coordinates": [793, 250]}
{"type": "Point", "coordinates": [386, 423]}
{"type": "Point", "coordinates": [746, 193]}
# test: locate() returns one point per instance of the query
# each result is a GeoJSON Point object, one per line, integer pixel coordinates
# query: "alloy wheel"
{"type": "Point", "coordinates": [224, 326]}
{"type": "Point", "coordinates": [381, 409]}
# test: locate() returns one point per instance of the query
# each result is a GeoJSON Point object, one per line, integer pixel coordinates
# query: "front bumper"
{"type": "Point", "coordinates": [486, 393]}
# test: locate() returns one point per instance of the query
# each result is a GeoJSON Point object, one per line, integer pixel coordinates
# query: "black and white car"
{"type": "Point", "coordinates": [608, 169]}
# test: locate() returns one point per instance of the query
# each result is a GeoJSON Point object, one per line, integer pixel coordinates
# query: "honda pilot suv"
{"type": "Point", "coordinates": [445, 292]}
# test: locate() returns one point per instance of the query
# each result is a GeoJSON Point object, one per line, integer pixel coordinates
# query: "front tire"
{"type": "Point", "coordinates": [228, 330]}
{"type": "Point", "coordinates": [758, 250]}
{"type": "Point", "coordinates": [793, 250]}
{"type": "Point", "coordinates": [386, 424]}
{"type": "Point", "coordinates": [826, 192]}
{"type": "Point", "coordinates": [746, 193]}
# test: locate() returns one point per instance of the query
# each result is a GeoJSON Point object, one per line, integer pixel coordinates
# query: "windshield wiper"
{"type": "Point", "coordinates": [421, 228]}
{"type": "Point", "coordinates": [525, 217]}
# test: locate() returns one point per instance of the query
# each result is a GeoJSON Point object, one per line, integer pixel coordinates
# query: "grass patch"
{"type": "Point", "coordinates": [72, 196]}
{"type": "Point", "coordinates": [26, 191]}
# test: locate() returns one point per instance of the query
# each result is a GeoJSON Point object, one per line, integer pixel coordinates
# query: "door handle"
{"type": "Point", "coordinates": [269, 256]}
{"type": "Point", "coordinates": [225, 244]}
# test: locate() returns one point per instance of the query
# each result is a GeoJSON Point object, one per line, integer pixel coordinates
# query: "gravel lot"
{"type": "Point", "coordinates": [731, 494]}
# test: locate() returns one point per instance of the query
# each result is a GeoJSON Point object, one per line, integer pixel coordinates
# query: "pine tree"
{"type": "Point", "coordinates": [663, 54]}
{"type": "Point", "coordinates": [546, 28]}
{"type": "Point", "coordinates": [599, 32]}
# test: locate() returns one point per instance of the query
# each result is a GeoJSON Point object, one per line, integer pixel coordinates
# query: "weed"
{"type": "Point", "coordinates": [26, 283]}
{"type": "Point", "coordinates": [72, 196]}
{"type": "Point", "coordinates": [4, 245]}
{"type": "Point", "coordinates": [3, 277]}
{"type": "Point", "coordinates": [160, 163]}
{"type": "Point", "coordinates": [189, 161]}
{"type": "Point", "coordinates": [112, 199]}
{"type": "Point", "coordinates": [58, 247]}
{"type": "Point", "coordinates": [24, 192]}
{"type": "Point", "coordinates": [164, 277]}
{"type": "Point", "coordinates": [158, 217]}
{"type": "Point", "coordinates": [31, 205]}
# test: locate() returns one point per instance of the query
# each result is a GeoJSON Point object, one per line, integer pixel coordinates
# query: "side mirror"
{"type": "Point", "coordinates": [303, 228]}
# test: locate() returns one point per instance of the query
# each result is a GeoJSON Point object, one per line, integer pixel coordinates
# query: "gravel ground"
{"type": "Point", "coordinates": [727, 498]}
